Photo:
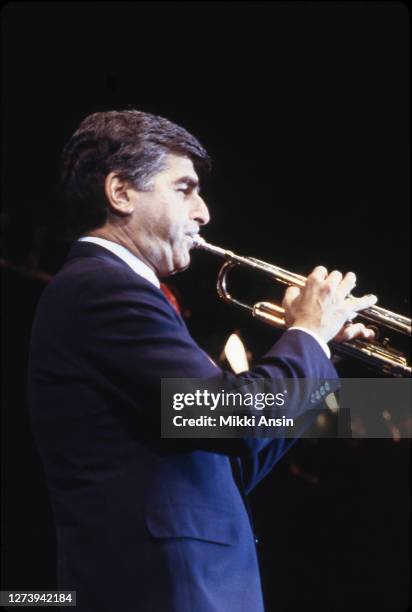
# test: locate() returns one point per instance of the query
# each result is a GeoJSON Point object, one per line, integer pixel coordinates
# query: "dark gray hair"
{"type": "Point", "coordinates": [133, 144]}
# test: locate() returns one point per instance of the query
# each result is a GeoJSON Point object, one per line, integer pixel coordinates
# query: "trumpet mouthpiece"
{"type": "Point", "coordinates": [198, 242]}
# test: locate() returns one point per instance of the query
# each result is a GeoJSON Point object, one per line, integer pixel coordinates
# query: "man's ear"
{"type": "Point", "coordinates": [118, 193]}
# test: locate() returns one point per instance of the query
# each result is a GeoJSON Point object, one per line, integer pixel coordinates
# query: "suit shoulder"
{"type": "Point", "coordinates": [95, 274]}
{"type": "Point", "coordinates": [87, 279]}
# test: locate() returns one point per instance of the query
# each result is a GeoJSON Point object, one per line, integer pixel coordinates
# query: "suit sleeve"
{"type": "Point", "coordinates": [133, 338]}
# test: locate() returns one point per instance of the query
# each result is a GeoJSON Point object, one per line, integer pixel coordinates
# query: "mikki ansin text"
{"type": "Point", "coordinates": [232, 421]}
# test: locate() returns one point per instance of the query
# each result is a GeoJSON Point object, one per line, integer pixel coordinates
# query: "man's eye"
{"type": "Point", "coordinates": [185, 190]}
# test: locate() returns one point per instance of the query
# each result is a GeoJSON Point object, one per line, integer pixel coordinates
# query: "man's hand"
{"type": "Point", "coordinates": [323, 306]}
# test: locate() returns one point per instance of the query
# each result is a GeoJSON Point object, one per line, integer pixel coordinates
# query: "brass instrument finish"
{"type": "Point", "coordinates": [378, 355]}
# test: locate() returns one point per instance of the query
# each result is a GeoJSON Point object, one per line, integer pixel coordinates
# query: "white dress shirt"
{"type": "Point", "coordinates": [134, 262]}
{"type": "Point", "coordinates": [143, 270]}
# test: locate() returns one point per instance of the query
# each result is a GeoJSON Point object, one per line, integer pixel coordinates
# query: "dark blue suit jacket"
{"type": "Point", "coordinates": [143, 524]}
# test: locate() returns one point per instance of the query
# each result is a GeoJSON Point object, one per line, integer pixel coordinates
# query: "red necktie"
{"type": "Point", "coordinates": [169, 295]}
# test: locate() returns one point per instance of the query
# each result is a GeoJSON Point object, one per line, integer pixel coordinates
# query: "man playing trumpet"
{"type": "Point", "coordinates": [143, 525]}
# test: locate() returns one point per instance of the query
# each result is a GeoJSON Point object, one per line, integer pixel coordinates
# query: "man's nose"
{"type": "Point", "coordinates": [201, 211]}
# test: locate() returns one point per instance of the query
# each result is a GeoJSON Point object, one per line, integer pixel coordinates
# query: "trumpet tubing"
{"type": "Point", "coordinates": [379, 355]}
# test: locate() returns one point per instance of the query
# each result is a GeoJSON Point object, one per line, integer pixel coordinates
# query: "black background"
{"type": "Point", "coordinates": [304, 108]}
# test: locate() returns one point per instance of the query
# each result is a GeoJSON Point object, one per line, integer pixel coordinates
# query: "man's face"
{"type": "Point", "coordinates": [166, 218]}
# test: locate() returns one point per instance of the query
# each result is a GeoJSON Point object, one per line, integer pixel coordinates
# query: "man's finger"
{"type": "Point", "coordinates": [346, 285]}
{"type": "Point", "coordinates": [357, 330]}
{"type": "Point", "coordinates": [334, 279]}
{"type": "Point", "coordinates": [357, 304]}
{"type": "Point", "coordinates": [291, 294]}
{"type": "Point", "coordinates": [319, 273]}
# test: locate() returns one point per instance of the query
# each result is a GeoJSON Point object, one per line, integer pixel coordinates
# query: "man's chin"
{"type": "Point", "coordinates": [180, 266]}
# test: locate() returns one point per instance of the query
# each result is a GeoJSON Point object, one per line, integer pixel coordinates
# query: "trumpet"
{"type": "Point", "coordinates": [376, 354]}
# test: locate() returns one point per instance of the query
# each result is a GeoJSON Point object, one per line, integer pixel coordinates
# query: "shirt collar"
{"type": "Point", "coordinates": [134, 262]}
